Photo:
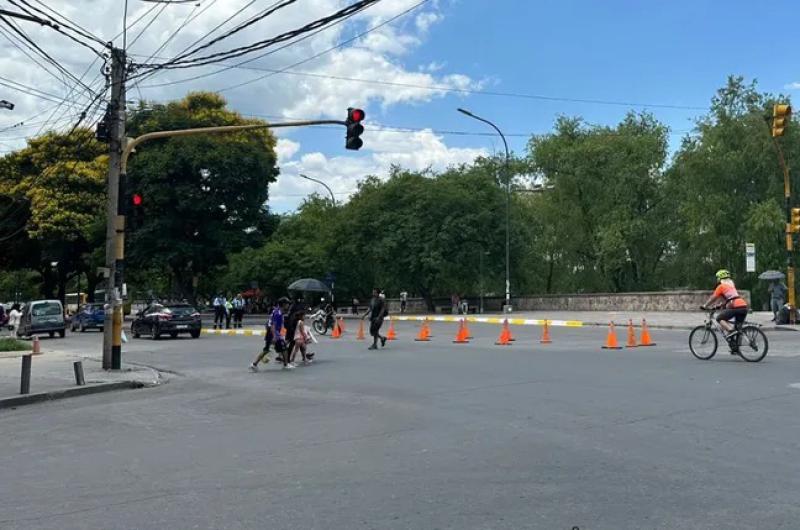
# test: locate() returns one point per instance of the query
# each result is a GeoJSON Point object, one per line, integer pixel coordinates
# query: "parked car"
{"type": "Point", "coordinates": [42, 316]}
{"type": "Point", "coordinates": [89, 316]}
{"type": "Point", "coordinates": [171, 319]}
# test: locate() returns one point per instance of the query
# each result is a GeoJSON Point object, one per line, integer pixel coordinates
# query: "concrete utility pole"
{"type": "Point", "coordinates": [115, 216]}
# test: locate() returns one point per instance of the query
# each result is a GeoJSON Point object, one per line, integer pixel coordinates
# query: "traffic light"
{"type": "Point", "coordinates": [780, 118]}
{"type": "Point", "coordinates": [354, 129]}
{"type": "Point", "coordinates": [136, 216]}
{"type": "Point", "coordinates": [101, 133]}
{"type": "Point", "coordinates": [795, 224]}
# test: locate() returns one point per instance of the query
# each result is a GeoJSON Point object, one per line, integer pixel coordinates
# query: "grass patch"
{"type": "Point", "coordinates": [9, 344]}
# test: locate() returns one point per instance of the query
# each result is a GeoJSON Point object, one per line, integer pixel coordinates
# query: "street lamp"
{"type": "Point", "coordinates": [320, 182]}
{"type": "Point", "coordinates": [508, 204]}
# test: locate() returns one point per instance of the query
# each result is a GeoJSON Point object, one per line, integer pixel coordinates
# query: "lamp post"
{"type": "Point", "coordinates": [508, 204]}
{"type": "Point", "coordinates": [320, 182]}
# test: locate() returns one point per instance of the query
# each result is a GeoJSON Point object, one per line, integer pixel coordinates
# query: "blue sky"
{"type": "Point", "coordinates": [669, 53]}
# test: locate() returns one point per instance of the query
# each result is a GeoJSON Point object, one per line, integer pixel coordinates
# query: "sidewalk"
{"type": "Point", "coordinates": [52, 377]}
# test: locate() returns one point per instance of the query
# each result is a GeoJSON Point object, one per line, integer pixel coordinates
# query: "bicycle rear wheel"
{"type": "Point", "coordinates": [703, 342]}
{"type": "Point", "coordinates": [753, 344]}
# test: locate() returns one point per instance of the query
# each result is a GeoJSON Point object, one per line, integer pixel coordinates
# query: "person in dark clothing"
{"type": "Point", "coordinates": [377, 311]}
{"type": "Point", "coordinates": [291, 326]}
{"type": "Point", "coordinates": [274, 325]}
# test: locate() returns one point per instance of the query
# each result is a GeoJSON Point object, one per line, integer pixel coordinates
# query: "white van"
{"type": "Point", "coordinates": [42, 316]}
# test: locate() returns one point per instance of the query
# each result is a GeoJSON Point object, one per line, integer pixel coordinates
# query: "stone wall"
{"type": "Point", "coordinates": [646, 301]}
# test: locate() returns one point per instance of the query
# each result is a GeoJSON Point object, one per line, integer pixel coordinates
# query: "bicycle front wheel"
{"type": "Point", "coordinates": [703, 343]}
{"type": "Point", "coordinates": [753, 344]}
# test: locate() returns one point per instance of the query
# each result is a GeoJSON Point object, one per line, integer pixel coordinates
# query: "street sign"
{"type": "Point", "coordinates": [750, 256]}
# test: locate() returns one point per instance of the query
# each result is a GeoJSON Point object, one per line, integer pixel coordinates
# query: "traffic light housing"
{"type": "Point", "coordinates": [795, 222]}
{"type": "Point", "coordinates": [354, 129]}
{"type": "Point", "coordinates": [136, 211]}
{"type": "Point", "coordinates": [781, 113]}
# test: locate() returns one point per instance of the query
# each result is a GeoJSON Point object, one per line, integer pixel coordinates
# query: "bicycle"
{"type": "Point", "coordinates": [747, 340]}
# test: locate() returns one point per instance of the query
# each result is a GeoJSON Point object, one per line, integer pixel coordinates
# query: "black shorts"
{"type": "Point", "coordinates": [375, 326]}
{"type": "Point", "coordinates": [739, 313]}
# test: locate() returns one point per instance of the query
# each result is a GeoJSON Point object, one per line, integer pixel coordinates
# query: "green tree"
{"type": "Point", "coordinates": [729, 188]}
{"type": "Point", "coordinates": [604, 213]}
{"type": "Point", "coordinates": [55, 188]}
{"type": "Point", "coordinates": [205, 196]}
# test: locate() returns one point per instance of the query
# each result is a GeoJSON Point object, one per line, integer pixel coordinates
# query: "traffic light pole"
{"type": "Point", "coordinates": [118, 175]}
{"type": "Point", "coordinates": [115, 222]}
{"type": "Point", "coordinates": [787, 196]}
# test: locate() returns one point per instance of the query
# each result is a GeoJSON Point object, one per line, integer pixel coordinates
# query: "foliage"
{"type": "Point", "coordinates": [9, 344]}
{"type": "Point", "coordinates": [204, 195]}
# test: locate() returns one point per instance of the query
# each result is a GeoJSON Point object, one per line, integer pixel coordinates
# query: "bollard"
{"type": "Point", "coordinates": [36, 346]}
{"type": "Point", "coordinates": [25, 383]}
{"type": "Point", "coordinates": [78, 367]}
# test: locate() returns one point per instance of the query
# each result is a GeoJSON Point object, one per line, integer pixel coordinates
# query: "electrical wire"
{"type": "Point", "coordinates": [43, 53]}
{"type": "Point", "coordinates": [243, 50]}
{"type": "Point", "coordinates": [138, 36]}
{"type": "Point", "coordinates": [31, 91]}
{"type": "Point", "coordinates": [55, 26]}
{"type": "Point", "coordinates": [80, 29]}
{"type": "Point", "coordinates": [337, 46]}
{"type": "Point", "coordinates": [269, 11]}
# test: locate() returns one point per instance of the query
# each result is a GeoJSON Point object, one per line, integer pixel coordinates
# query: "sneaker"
{"type": "Point", "coordinates": [307, 362]}
{"type": "Point", "coordinates": [253, 367]}
{"type": "Point", "coordinates": [289, 366]}
{"type": "Point", "coordinates": [383, 342]}
{"type": "Point", "coordinates": [310, 355]}
{"type": "Point", "coordinates": [373, 347]}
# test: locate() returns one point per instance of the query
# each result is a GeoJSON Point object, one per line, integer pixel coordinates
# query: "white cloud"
{"type": "Point", "coordinates": [416, 151]}
{"type": "Point", "coordinates": [792, 86]}
{"type": "Point", "coordinates": [286, 149]}
{"type": "Point", "coordinates": [382, 55]}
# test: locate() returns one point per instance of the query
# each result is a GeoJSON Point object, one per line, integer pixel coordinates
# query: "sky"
{"type": "Point", "coordinates": [518, 63]}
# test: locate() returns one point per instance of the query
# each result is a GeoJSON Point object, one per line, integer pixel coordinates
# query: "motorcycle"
{"type": "Point", "coordinates": [322, 320]}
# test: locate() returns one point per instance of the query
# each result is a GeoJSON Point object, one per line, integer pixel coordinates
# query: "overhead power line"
{"type": "Point", "coordinates": [57, 25]}
{"type": "Point", "coordinates": [341, 44]}
{"type": "Point", "coordinates": [80, 29]}
{"type": "Point", "coordinates": [243, 50]}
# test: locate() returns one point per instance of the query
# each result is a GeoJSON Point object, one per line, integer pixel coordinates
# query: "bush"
{"type": "Point", "coordinates": [9, 344]}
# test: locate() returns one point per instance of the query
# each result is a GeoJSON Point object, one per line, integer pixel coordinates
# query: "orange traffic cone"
{"type": "Point", "coordinates": [461, 335]}
{"type": "Point", "coordinates": [508, 331]}
{"type": "Point", "coordinates": [422, 336]}
{"type": "Point", "coordinates": [337, 333]}
{"type": "Point", "coordinates": [611, 340]}
{"type": "Point", "coordinates": [546, 334]}
{"type": "Point", "coordinates": [427, 330]}
{"type": "Point", "coordinates": [503, 339]}
{"type": "Point", "coordinates": [631, 336]}
{"type": "Point", "coordinates": [341, 325]}
{"type": "Point", "coordinates": [467, 332]}
{"type": "Point", "coordinates": [360, 335]}
{"type": "Point", "coordinates": [646, 340]}
{"type": "Point", "coordinates": [391, 335]}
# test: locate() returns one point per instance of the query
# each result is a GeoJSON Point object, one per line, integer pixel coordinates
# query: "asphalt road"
{"type": "Point", "coordinates": [417, 436]}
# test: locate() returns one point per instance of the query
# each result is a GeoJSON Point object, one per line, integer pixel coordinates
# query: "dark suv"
{"type": "Point", "coordinates": [170, 319]}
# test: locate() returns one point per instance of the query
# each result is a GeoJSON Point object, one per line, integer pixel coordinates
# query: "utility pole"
{"type": "Point", "coordinates": [115, 215]}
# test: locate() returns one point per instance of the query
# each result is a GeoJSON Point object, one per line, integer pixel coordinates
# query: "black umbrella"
{"type": "Point", "coordinates": [771, 275]}
{"type": "Point", "coordinates": [309, 285]}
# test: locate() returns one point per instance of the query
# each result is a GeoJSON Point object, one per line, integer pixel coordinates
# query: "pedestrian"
{"type": "Point", "coordinates": [238, 311]}
{"type": "Point", "coordinates": [464, 306]}
{"type": "Point", "coordinates": [777, 297]}
{"type": "Point", "coordinates": [219, 310]}
{"type": "Point", "coordinates": [228, 313]}
{"type": "Point", "coordinates": [377, 312]}
{"type": "Point", "coordinates": [273, 334]}
{"type": "Point", "coordinates": [291, 327]}
{"type": "Point", "coordinates": [14, 317]}
{"type": "Point", "coordinates": [403, 301]}
{"type": "Point", "coordinates": [301, 338]}
{"type": "Point", "coordinates": [354, 306]}
{"type": "Point", "coordinates": [454, 303]}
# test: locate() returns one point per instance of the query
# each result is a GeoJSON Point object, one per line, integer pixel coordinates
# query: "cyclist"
{"type": "Point", "coordinates": [726, 295]}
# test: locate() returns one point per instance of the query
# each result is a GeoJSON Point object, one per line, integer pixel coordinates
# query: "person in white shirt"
{"type": "Point", "coordinates": [14, 317]}
{"type": "Point", "coordinates": [219, 310]}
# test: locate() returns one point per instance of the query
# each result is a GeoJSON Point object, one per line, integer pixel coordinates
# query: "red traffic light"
{"type": "Point", "coordinates": [355, 115]}
{"type": "Point", "coordinates": [136, 199]}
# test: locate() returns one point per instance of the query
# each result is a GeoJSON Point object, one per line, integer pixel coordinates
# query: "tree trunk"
{"type": "Point", "coordinates": [426, 295]}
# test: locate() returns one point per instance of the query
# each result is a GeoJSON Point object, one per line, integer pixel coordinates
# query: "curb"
{"type": "Point", "coordinates": [29, 399]}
